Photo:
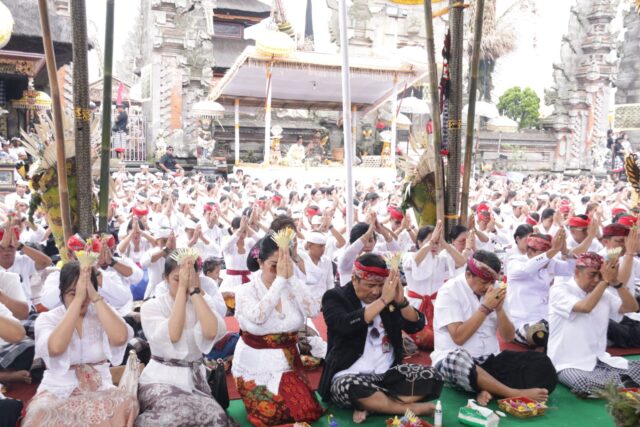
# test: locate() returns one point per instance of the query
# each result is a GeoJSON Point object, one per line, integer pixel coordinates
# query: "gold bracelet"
{"type": "Point", "coordinates": [98, 299]}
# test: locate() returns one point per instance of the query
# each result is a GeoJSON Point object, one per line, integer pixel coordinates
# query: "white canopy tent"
{"type": "Point", "coordinates": [312, 80]}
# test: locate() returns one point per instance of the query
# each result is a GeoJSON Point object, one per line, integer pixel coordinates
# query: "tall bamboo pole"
{"type": "Point", "coordinates": [435, 109]}
{"type": "Point", "coordinates": [471, 113]}
{"type": "Point", "coordinates": [82, 114]}
{"type": "Point", "coordinates": [454, 125]}
{"type": "Point", "coordinates": [105, 148]}
{"type": "Point", "coordinates": [56, 106]}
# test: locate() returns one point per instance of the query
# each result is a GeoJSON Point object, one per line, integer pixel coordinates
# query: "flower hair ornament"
{"type": "Point", "coordinates": [255, 252]}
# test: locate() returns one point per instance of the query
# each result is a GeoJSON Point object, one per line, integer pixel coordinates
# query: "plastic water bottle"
{"type": "Point", "coordinates": [437, 418]}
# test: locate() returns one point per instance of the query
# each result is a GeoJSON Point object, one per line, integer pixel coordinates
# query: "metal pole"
{"type": "Point", "coordinates": [394, 122]}
{"type": "Point", "coordinates": [267, 120]}
{"type": "Point", "coordinates": [56, 106]}
{"type": "Point", "coordinates": [471, 113]}
{"type": "Point", "coordinates": [237, 130]}
{"type": "Point", "coordinates": [346, 112]}
{"type": "Point", "coordinates": [354, 128]}
{"type": "Point", "coordinates": [105, 148]}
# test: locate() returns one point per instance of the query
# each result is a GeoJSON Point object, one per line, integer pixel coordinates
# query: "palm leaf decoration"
{"type": "Point", "coordinates": [284, 237]}
{"type": "Point", "coordinates": [86, 258]}
{"type": "Point", "coordinates": [394, 260]}
{"type": "Point", "coordinates": [185, 255]}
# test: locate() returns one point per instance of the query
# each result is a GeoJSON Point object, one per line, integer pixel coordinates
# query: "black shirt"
{"type": "Point", "coordinates": [168, 161]}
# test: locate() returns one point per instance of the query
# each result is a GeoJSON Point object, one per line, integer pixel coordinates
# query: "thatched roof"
{"type": "Point", "coordinates": [27, 20]}
{"type": "Point", "coordinates": [27, 35]}
{"type": "Point", "coordinates": [246, 6]}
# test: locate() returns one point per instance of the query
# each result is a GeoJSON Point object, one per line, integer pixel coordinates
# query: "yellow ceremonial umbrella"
{"type": "Point", "coordinates": [275, 43]}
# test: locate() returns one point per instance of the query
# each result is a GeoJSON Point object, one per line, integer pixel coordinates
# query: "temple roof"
{"type": "Point", "coordinates": [27, 35]}
{"type": "Point", "coordinates": [310, 80]}
{"type": "Point", "coordinates": [246, 6]}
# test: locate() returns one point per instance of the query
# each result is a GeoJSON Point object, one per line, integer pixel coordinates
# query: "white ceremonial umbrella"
{"type": "Point", "coordinates": [502, 124]}
{"type": "Point", "coordinates": [413, 105]}
{"type": "Point", "coordinates": [483, 109]}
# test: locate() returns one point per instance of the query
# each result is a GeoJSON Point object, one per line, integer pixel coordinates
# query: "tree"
{"type": "Point", "coordinates": [499, 37]}
{"type": "Point", "coordinates": [523, 106]}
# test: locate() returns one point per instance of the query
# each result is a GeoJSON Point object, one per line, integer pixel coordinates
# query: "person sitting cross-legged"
{"type": "Point", "coordinates": [468, 313]}
{"type": "Point", "coordinates": [363, 367]}
{"type": "Point", "coordinates": [579, 315]}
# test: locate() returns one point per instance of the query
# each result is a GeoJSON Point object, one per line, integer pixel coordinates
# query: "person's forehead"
{"type": "Point", "coordinates": [370, 283]}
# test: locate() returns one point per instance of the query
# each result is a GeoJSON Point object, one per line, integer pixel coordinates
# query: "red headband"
{"type": "Point", "coordinates": [589, 260]}
{"type": "Point", "coordinates": [140, 211]}
{"type": "Point", "coordinates": [276, 199]}
{"type": "Point", "coordinates": [576, 221]}
{"type": "Point", "coordinates": [374, 274]}
{"type": "Point", "coordinates": [539, 243]}
{"type": "Point", "coordinates": [628, 220]}
{"type": "Point", "coordinates": [615, 230]}
{"type": "Point", "coordinates": [311, 212]}
{"type": "Point", "coordinates": [481, 270]}
{"type": "Point", "coordinates": [395, 213]}
{"type": "Point", "coordinates": [531, 220]}
{"type": "Point", "coordinates": [616, 211]}
{"type": "Point", "coordinates": [565, 209]}
{"type": "Point", "coordinates": [482, 207]}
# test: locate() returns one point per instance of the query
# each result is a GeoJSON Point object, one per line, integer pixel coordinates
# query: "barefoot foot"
{"type": "Point", "coordinates": [422, 408]}
{"type": "Point", "coordinates": [15, 377]}
{"type": "Point", "coordinates": [484, 397]}
{"type": "Point", "coordinates": [359, 416]}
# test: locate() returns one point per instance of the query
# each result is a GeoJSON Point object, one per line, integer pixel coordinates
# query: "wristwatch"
{"type": "Point", "coordinates": [113, 262]}
{"type": "Point", "coordinates": [402, 305]}
{"type": "Point", "coordinates": [195, 292]}
{"type": "Point", "coordinates": [20, 246]}
{"type": "Point", "coordinates": [618, 286]}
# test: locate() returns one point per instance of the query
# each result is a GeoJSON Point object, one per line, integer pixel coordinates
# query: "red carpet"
{"type": "Point", "coordinates": [25, 392]}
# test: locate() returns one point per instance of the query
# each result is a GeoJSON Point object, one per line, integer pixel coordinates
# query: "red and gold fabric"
{"type": "Point", "coordinates": [295, 401]}
{"type": "Point", "coordinates": [424, 338]}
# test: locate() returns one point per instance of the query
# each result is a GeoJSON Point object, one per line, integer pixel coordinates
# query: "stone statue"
{"type": "Point", "coordinates": [206, 142]}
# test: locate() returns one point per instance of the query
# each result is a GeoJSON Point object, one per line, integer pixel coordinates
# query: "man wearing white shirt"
{"type": "Point", "coordinates": [468, 313]}
{"type": "Point", "coordinates": [529, 280]}
{"type": "Point", "coordinates": [318, 268]}
{"type": "Point", "coordinates": [578, 229]}
{"type": "Point", "coordinates": [579, 315]}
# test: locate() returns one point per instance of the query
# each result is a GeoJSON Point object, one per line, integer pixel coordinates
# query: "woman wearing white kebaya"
{"type": "Point", "coordinates": [77, 340]}
{"type": "Point", "coordinates": [181, 326]}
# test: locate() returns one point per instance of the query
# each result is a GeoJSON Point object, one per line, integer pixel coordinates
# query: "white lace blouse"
{"type": "Point", "coordinates": [93, 347]}
{"type": "Point", "coordinates": [256, 313]}
{"type": "Point", "coordinates": [154, 315]}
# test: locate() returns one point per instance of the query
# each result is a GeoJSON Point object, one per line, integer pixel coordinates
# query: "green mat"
{"type": "Point", "coordinates": [565, 410]}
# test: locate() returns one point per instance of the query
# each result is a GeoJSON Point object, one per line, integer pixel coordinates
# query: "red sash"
{"type": "Point", "coordinates": [287, 342]}
{"type": "Point", "coordinates": [426, 306]}
{"type": "Point", "coordinates": [244, 273]}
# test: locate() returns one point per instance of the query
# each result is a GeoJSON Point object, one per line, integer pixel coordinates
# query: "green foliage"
{"type": "Point", "coordinates": [523, 106]}
{"type": "Point", "coordinates": [624, 407]}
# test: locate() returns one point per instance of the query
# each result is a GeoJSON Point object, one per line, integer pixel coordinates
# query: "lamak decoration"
{"type": "Point", "coordinates": [43, 176]}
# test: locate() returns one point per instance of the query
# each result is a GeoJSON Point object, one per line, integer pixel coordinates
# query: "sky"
{"type": "Point", "coordinates": [123, 20]}
{"type": "Point", "coordinates": [539, 39]}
